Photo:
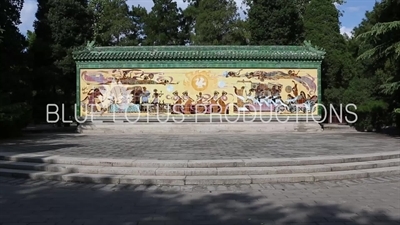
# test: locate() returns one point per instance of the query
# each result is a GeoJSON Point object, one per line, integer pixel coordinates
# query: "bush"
{"type": "Point", "coordinates": [397, 118]}
{"type": "Point", "coordinates": [13, 118]}
{"type": "Point", "coordinates": [372, 116]}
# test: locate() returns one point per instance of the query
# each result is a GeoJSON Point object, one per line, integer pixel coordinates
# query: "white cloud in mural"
{"type": "Point", "coordinates": [221, 84]}
{"type": "Point", "coordinates": [170, 88]}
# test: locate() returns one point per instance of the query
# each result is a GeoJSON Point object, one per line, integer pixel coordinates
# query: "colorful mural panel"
{"type": "Point", "coordinates": [191, 91]}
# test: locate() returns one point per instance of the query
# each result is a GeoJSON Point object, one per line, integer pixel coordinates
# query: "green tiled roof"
{"type": "Point", "coordinates": [159, 53]}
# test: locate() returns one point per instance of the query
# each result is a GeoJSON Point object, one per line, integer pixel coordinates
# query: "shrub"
{"type": "Point", "coordinates": [13, 118]}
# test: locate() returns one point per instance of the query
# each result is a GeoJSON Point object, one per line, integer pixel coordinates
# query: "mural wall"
{"type": "Point", "coordinates": [190, 91]}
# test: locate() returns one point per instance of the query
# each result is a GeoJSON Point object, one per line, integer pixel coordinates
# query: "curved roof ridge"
{"type": "Point", "coordinates": [221, 52]}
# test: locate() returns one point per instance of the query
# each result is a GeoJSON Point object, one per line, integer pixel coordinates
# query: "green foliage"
{"type": "Point", "coordinates": [1, 36]}
{"type": "Point", "coordinates": [372, 115]}
{"type": "Point", "coordinates": [39, 69]}
{"type": "Point", "coordinates": [14, 117]}
{"type": "Point", "coordinates": [31, 36]}
{"type": "Point", "coordinates": [15, 86]}
{"type": "Point", "coordinates": [162, 24]}
{"type": "Point", "coordinates": [378, 66]}
{"type": "Point", "coordinates": [382, 31]}
{"type": "Point", "coordinates": [275, 23]}
{"type": "Point", "coordinates": [338, 65]}
{"type": "Point", "coordinates": [61, 26]}
{"type": "Point", "coordinates": [215, 22]}
{"type": "Point", "coordinates": [112, 22]}
{"type": "Point", "coordinates": [372, 106]}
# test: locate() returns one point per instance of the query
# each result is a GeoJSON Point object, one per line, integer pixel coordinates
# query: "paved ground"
{"type": "Point", "coordinates": [204, 146]}
{"type": "Point", "coordinates": [367, 201]}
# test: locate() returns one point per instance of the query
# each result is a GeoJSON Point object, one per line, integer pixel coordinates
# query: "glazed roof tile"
{"type": "Point", "coordinates": [159, 53]}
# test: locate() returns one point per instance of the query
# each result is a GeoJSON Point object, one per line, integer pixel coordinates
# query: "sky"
{"type": "Point", "coordinates": [354, 11]}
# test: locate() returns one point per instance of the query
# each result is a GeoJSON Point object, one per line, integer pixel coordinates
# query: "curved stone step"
{"type": "Point", "coordinates": [224, 171]}
{"type": "Point", "coordinates": [266, 162]}
{"type": "Point", "coordinates": [235, 124]}
{"type": "Point", "coordinates": [201, 180]}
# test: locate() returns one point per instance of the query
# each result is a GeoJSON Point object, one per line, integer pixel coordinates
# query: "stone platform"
{"type": "Point", "coordinates": [192, 124]}
{"type": "Point", "coordinates": [199, 172]}
{"type": "Point", "coordinates": [194, 128]}
{"type": "Point", "coordinates": [171, 146]}
{"type": "Point", "coordinates": [206, 159]}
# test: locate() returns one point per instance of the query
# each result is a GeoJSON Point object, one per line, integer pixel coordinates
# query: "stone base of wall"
{"type": "Point", "coordinates": [216, 118]}
{"type": "Point", "coordinates": [201, 127]}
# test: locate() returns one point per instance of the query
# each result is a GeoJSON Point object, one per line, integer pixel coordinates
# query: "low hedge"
{"type": "Point", "coordinates": [13, 118]}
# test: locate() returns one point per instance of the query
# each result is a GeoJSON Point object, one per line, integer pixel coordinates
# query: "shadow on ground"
{"type": "Point", "coordinates": [127, 205]}
{"type": "Point", "coordinates": [391, 131]}
{"type": "Point", "coordinates": [33, 143]}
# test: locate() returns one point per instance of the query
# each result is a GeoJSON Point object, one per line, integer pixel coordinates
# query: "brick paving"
{"type": "Point", "coordinates": [203, 146]}
{"type": "Point", "coordinates": [357, 202]}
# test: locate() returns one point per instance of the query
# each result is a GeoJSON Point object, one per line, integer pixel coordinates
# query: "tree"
{"type": "Point", "coordinates": [137, 15]}
{"type": "Point", "coordinates": [385, 34]}
{"type": "Point", "coordinates": [162, 24]}
{"type": "Point", "coordinates": [215, 22]}
{"type": "Point", "coordinates": [376, 45]}
{"type": "Point", "coordinates": [1, 34]}
{"type": "Point", "coordinates": [112, 22]}
{"type": "Point", "coordinates": [274, 22]}
{"type": "Point", "coordinates": [302, 4]}
{"type": "Point", "coordinates": [323, 30]}
{"type": "Point", "coordinates": [31, 36]}
{"type": "Point", "coordinates": [15, 83]}
{"type": "Point", "coordinates": [42, 62]}
{"type": "Point", "coordinates": [61, 26]}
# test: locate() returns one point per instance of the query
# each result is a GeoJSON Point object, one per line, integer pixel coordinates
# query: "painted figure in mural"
{"type": "Point", "coordinates": [93, 100]}
{"type": "Point", "coordinates": [145, 95]}
{"type": "Point", "coordinates": [261, 91]}
{"type": "Point", "coordinates": [241, 99]}
{"type": "Point", "coordinates": [222, 102]}
{"type": "Point", "coordinates": [232, 74]}
{"type": "Point", "coordinates": [187, 101]}
{"type": "Point", "coordinates": [276, 90]}
{"type": "Point", "coordinates": [214, 102]}
{"type": "Point", "coordinates": [123, 104]}
{"type": "Point", "coordinates": [136, 79]}
{"type": "Point", "coordinates": [239, 94]}
{"type": "Point", "coordinates": [156, 99]}
{"type": "Point", "coordinates": [302, 98]}
{"type": "Point", "coordinates": [95, 78]}
{"type": "Point", "coordinates": [199, 96]}
{"type": "Point", "coordinates": [155, 91]}
{"type": "Point", "coordinates": [264, 98]}
{"type": "Point", "coordinates": [250, 75]}
{"type": "Point", "coordinates": [308, 82]}
{"type": "Point", "coordinates": [273, 75]}
{"type": "Point", "coordinates": [199, 107]}
{"type": "Point", "coordinates": [136, 94]}
{"type": "Point", "coordinates": [294, 89]}
{"type": "Point", "coordinates": [249, 96]}
{"type": "Point", "coordinates": [293, 74]}
{"type": "Point", "coordinates": [141, 77]}
{"type": "Point", "coordinates": [177, 101]}
{"type": "Point", "coordinates": [149, 76]}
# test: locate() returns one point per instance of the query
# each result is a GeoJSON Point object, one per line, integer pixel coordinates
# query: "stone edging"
{"type": "Point", "coordinates": [259, 162]}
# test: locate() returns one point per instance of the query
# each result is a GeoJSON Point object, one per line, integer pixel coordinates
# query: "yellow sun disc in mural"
{"type": "Point", "coordinates": [200, 82]}
{"type": "Point", "coordinates": [288, 89]}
